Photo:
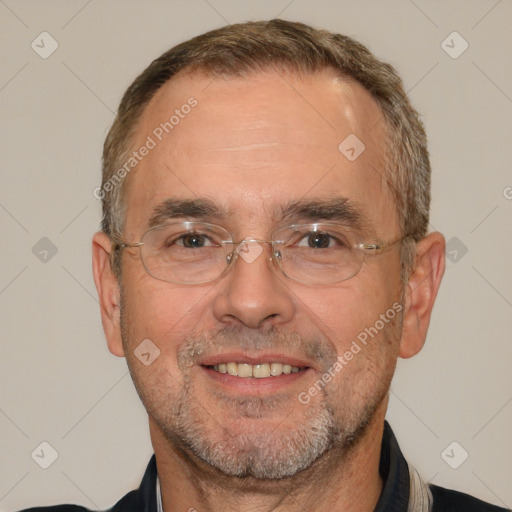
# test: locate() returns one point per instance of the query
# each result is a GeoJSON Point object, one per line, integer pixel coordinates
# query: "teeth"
{"type": "Point", "coordinates": [244, 370]}
{"type": "Point", "coordinates": [261, 370]}
{"type": "Point", "coordinates": [232, 368]}
{"type": "Point", "coordinates": [257, 371]}
{"type": "Point", "coordinates": [276, 369]}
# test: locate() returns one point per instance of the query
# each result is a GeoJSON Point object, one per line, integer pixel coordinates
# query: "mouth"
{"type": "Point", "coordinates": [255, 371]}
{"type": "Point", "coordinates": [247, 375]}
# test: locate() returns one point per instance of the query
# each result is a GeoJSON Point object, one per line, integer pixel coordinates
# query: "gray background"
{"type": "Point", "coordinates": [59, 384]}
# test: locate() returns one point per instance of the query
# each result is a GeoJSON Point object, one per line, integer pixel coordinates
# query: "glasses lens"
{"type": "Point", "coordinates": [186, 252]}
{"type": "Point", "coordinates": [318, 253]}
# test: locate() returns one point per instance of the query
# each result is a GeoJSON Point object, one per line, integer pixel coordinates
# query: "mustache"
{"type": "Point", "coordinates": [316, 349]}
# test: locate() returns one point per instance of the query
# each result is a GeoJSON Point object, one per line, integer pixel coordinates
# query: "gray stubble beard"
{"type": "Point", "coordinates": [266, 455]}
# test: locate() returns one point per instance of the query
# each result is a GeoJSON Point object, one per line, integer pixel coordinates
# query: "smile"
{"type": "Point", "coordinates": [256, 371]}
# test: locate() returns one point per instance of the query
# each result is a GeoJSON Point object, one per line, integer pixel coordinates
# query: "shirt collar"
{"type": "Point", "coordinates": [394, 472]}
{"type": "Point", "coordinates": [159, 506]}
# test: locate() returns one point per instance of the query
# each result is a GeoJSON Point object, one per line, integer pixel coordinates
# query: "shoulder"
{"type": "Point", "coordinates": [447, 500]}
{"type": "Point", "coordinates": [130, 503]}
{"type": "Point", "coordinates": [57, 508]}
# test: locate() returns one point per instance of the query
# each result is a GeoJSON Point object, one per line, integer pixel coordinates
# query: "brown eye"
{"type": "Point", "coordinates": [193, 241]}
{"type": "Point", "coordinates": [318, 240]}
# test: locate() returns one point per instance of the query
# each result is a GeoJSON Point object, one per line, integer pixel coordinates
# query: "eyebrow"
{"type": "Point", "coordinates": [179, 208]}
{"type": "Point", "coordinates": [337, 209]}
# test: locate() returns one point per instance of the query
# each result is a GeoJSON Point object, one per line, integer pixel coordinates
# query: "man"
{"type": "Point", "coordinates": [263, 262]}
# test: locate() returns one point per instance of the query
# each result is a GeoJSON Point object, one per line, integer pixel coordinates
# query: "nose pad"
{"type": "Point", "coordinates": [276, 258]}
{"type": "Point", "coordinates": [249, 250]}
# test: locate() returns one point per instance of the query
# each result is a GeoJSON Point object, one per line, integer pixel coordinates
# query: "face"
{"type": "Point", "coordinates": [255, 149]}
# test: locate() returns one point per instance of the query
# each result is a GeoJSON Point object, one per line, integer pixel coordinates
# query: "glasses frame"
{"type": "Point", "coordinates": [371, 248]}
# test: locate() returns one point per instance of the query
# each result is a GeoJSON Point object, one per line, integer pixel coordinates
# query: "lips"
{"type": "Point", "coordinates": [254, 367]}
{"type": "Point", "coordinates": [256, 371]}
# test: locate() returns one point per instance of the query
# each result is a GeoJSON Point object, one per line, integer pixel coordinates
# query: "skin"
{"type": "Point", "coordinates": [253, 145]}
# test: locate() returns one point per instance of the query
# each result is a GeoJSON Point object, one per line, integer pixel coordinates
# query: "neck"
{"type": "Point", "coordinates": [348, 481]}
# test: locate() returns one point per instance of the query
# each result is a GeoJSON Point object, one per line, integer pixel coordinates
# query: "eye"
{"type": "Point", "coordinates": [191, 241]}
{"type": "Point", "coordinates": [316, 241]}
{"type": "Point", "coordinates": [319, 240]}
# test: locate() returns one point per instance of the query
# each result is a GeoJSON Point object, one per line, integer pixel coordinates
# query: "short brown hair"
{"type": "Point", "coordinates": [243, 48]}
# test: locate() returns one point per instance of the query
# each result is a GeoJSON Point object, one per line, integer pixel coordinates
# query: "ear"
{"type": "Point", "coordinates": [107, 286]}
{"type": "Point", "coordinates": [421, 292]}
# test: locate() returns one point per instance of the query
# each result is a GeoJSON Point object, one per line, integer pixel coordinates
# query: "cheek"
{"type": "Point", "coordinates": [162, 312]}
{"type": "Point", "coordinates": [367, 342]}
{"type": "Point", "coordinates": [156, 319]}
{"type": "Point", "coordinates": [346, 313]}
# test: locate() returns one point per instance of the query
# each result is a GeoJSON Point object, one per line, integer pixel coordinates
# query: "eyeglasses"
{"type": "Point", "coordinates": [198, 252]}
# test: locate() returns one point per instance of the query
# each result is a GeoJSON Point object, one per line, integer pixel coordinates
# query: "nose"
{"type": "Point", "coordinates": [252, 293]}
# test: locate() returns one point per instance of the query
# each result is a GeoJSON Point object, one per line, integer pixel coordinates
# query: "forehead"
{"type": "Point", "coordinates": [255, 143]}
{"type": "Point", "coordinates": [267, 107]}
